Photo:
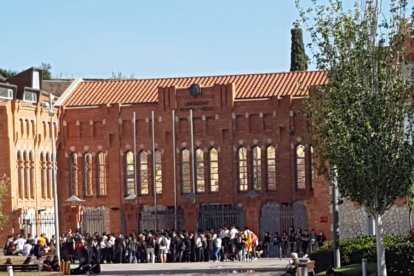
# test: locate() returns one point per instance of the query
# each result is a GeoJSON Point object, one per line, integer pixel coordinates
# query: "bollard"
{"type": "Point", "coordinates": [9, 270]}
{"type": "Point", "coordinates": [280, 252]}
{"type": "Point", "coordinates": [364, 267]}
{"type": "Point", "coordinates": [303, 265]}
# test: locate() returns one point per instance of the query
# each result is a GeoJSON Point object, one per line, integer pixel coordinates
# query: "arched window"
{"type": "Point", "coordinates": [42, 175]}
{"type": "Point", "coordinates": [73, 174]}
{"type": "Point", "coordinates": [185, 171]}
{"type": "Point", "coordinates": [129, 173]}
{"type": "Point", "coordinates": [158, 172]}
{"type": "Point", "coordinates": [242, 159]}
{"type": "Point", "coordinates": [49, 175]}
{"type": "Point", "coordinates": [33, 127]}
{"type": "Point", "coordinates": [88, 174]}
{"type": "Point", "coordinates": [26, 175]}
{"type": "Point", "coordinates": [21, 127]}
{"type": "Point", "coordinates": [32, 175]}
{"type": "Point", "coordinates": [20, 174]}
{"type": "Point", "coordinates": [214, 173]}
{"type": "Point", "coordinates": [271, 167]}
{"type": "Point", "coordinates": [27, 127]}
{"type": "Point", "coordinates": [101, 173]}
{"type": "Point", "coordinates": [143, 173]}
{"type": "Point", "coordinates": [257, 168]}
{"type": "Point", "coordinates": [199, 169]}
{"type": "Point", "coordinates": [312, 167]}
{"type": "Point", "coordinates": [300, 167]}
{"type": "Point", "coordinates": [44, 130]}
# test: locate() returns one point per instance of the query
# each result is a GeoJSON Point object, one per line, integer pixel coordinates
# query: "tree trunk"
{"type": "Point", "coordinates": [410, 220]}
{"type": "Point", "coordinates": [381, 267]}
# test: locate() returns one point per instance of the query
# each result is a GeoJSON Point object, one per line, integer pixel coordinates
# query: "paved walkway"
{"type": "Point", "coordinates": [264, 266]}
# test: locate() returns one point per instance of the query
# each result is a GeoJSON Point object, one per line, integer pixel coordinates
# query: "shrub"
{"type": "Point", "coordinates": [399, 253]}
{"type": "Point", "coordinates": [323, 259]}
{"type": "Point", "coordinates": [400, 259]}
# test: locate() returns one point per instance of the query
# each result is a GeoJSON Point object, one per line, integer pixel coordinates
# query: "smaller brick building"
{"type": "Point", "coordinates": [26, 155]}
{"type": "Point", "coordinates": [193, 153]}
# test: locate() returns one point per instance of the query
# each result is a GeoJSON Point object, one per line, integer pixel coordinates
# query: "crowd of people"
{"type": "Point", "coordinates": [225, 244]}
{"type": "Point", "coordinates": [293, 241]}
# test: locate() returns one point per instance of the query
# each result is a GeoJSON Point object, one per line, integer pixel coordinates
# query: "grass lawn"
{"type": "Point", "coordinates": [353, 269]}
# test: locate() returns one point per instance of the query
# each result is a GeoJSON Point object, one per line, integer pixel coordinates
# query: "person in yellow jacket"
{"type": "Point", "coordinates": [249, 244]}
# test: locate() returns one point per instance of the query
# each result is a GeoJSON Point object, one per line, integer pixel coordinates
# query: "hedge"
{"type": "Point", "coordinates": [399, 253]}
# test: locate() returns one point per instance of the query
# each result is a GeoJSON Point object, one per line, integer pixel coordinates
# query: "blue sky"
{"type": "Point", "coordinates": [147, 38]}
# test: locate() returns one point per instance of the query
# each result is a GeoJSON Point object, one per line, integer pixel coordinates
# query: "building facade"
{"type": "Point", "coordinates": [26, 155]}
{"type": "Point", "coordinates": [190, 153]}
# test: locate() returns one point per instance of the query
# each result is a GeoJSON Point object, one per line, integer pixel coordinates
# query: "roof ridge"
{"type": "Point", "coordinates": [189, 77]}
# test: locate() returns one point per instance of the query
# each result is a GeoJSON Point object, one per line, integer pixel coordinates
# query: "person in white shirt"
{"type": "Point", "coordinates": [217, 248]}
{"type": "Point", "coordinates": [27, 248]}
{"type": "Point", "coordinates": [233, 240]}
{"type": "Point", "coordinates": [162, 242]}
{"type": "Point", "coordinates": [19, 243]}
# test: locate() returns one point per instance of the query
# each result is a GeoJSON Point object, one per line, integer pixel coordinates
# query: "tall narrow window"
{"type": "Point", "coordinates": [21, 128]}
{"type": "Point", "coordinates": [158, 172]}
{"type": "Point", "coordinates": [300, 167]}
{"type": "Point", "coordinates": [44, 130]}
{"type": "Point", "coordinates": [129, 174]}
{"type": "Point", "coordinates": [242, 158]}
{"type": "Point", "coordinates": [43, 175]}
{"type": "Point", "coordinates": [20, 167]}
{"type": "Point", "coordinates": [88, 174]}
{"type": "Point", "coordinates": [214, 175]}
{"type": "Point", "coordinates": [26, 175]}
{"type": "Point", "coordinates": [27, 127]}
{"type": "Point", "coordinates": [33, 127]}
{"type": "Point", "coordinates": [32, 176]}
{"type": "Point", "coordinates": [49, 175]}
{"type": "Point", "coordinates": [101, 174]}
{"type": "Point", "coordinates": [185, 171]}
{"type": "Point", "coordinates": [73, 174]}
{"type": "Point", "coordinates": [271, 168]}
{"type": "Point", "coordinates": [199, 169]}
{"type": "Point", "coordinates": [143, 173]}
{"type": "Point", "coordinates": [257, 168]}
{"type": "Point", "coordinates": [312, 166]}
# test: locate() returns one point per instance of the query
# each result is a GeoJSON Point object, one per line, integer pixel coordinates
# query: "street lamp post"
{"type": "Point", "coordinates": [51, 108]}
{"type": "Point", "coordinates": [335, 216]}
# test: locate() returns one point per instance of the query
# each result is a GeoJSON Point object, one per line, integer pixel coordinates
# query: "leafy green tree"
{"type": "Point", "coordinates": [357, 120]}
{"type": "Point", "coordinates": [298, 57]}
{"type": "Point", "coordinates": [46, 67]}
{"type": "Point", "coordinates": [7, 73]}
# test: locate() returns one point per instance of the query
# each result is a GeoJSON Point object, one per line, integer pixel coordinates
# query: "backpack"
{"type": "Point", "coordinates": [163, 242]}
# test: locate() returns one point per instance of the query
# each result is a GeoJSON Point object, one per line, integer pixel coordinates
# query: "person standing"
{"type": "Point", "coordinates": [217, 248]}
{"type": "Point", "coordinates": [132, 249]}
{"type": "Point", "coordinates": [266, 245]}
{"type": "Point", "coordinates": [150, 248]}
{"type": "Point", "coordinates": [305, 241]}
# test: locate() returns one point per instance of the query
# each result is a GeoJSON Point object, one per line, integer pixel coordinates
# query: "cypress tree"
{"type": "Point", "coordinates": [298, 57]}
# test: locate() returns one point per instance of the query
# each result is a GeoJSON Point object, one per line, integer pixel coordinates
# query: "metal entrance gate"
{"type": "Point", "coordinates": [95, 220]}
{"type": "Point", "coordinates": [217, 216]}
{"type": "Point", "coordinates": [286, 217]}
{"type": "Point", "coordinates": [43, 223]}
{"type": "Point", "coordinates": [278, 218]}
{"type": "Point", "coordinates": [163, 219]}
{"type": "Point", "coordinates": [270, 218]}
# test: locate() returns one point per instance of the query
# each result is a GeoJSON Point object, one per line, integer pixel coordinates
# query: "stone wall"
{"type": "Point", "coordinates": [354, 221]}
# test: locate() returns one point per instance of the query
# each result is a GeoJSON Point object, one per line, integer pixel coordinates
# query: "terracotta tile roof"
{"type": "Point", "coordinates": [96, 92]}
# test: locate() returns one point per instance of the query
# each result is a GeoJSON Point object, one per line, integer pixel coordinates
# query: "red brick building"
{"type": "Point", "coordinates": [199, 152]}
{"type": "Point", "coordinates": [26, 155]}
